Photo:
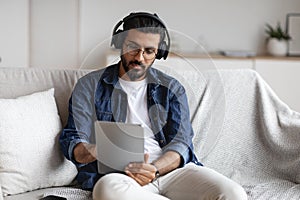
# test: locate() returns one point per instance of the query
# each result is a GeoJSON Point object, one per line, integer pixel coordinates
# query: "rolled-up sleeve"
{"type": "Point", "coordinates": [80, 124]}
{"type": "Point", "coordinates": [179, 127]}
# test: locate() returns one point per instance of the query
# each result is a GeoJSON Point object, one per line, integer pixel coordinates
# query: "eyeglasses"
{"type": "Point", "coordinates": [133, 50]}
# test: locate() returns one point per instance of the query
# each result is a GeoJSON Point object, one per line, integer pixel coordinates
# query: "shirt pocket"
{"type": "Point", "coordinates": [159, 120]}
{"type": "Point", "coordinates": [104, 116]}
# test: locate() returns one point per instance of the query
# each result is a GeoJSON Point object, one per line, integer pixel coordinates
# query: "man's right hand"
{"type": "Point", "coordinates": [85, 153]}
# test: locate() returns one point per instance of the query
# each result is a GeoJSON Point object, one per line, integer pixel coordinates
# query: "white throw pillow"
{"type": "Point", "coordinates": [30, 155]}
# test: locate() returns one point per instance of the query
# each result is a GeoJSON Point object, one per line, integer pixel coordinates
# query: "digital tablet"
{"type": "Point", "coordinates": [117, 145]}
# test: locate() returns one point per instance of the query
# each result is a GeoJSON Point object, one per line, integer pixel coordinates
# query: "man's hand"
{"type": "Point", "coordinates": [85, 153]}
{"type": "Point", "coordinates": [143, 173]}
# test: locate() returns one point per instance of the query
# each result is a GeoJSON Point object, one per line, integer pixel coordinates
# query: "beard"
{"type": "Point", "coordinates": [134, 74]}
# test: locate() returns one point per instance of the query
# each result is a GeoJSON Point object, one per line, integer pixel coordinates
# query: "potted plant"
{"type": "Point", "coordinates": [277, 41]}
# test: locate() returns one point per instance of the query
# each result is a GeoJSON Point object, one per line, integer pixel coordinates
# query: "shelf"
{"type": "Point", "coordinates": [213, 55]}
{"type": "Point", "coordinates": [219, 56]}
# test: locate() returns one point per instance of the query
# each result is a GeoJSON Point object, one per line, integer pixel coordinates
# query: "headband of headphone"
{"type": "Point", "coordinates": [163, 47]}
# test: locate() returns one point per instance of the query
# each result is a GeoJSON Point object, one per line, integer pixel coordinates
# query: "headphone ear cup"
{"type": "Point", "coordinates": [162, 51]}
{"type": "Point", "coordinates": [117, 40]}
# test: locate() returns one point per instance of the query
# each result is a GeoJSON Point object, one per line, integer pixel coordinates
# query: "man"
{"type": "Point", "coordinates": [133, 92]}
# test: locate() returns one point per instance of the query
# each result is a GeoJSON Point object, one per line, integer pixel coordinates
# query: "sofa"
{"type": "Point", "coordinates": [242, 130]}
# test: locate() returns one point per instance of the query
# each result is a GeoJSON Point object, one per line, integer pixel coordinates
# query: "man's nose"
{"type": "Point", "coordinates": [140, 55]}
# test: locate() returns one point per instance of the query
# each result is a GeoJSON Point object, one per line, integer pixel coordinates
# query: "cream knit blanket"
{"type": "Point", "coordinates": [244, 131]}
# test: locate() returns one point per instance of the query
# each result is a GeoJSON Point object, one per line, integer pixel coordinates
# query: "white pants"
{"type": "Point", "coordinates": [190, 183]}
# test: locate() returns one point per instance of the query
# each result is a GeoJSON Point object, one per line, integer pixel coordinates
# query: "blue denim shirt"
{"type": "Point", "coordinates": [99, 96]}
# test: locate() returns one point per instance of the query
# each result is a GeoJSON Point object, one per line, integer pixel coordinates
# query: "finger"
{"type": "Point", "coordinates": [146, 169]}
{"type": "Point", "coordinates": [143, 180]}
{"type": "Point", "coordinates": [148, 172]}
{"type": "Point", "coordinates": [139, 178]}
{"type": "Point", "coordinates": [146, 157]}
{"type": "Point", "coordinates": [134, 176]}
{"type": "Point", "coordinates": [143, 166]}
{"type": "Point", "coordinates": [137, 169]}
{"type": "Point", "coordinates": [143, 175]}
{"type": "Point", "coordinates": [129, 174]}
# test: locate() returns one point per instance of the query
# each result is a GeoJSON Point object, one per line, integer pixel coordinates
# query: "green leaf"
{"type": "Point", "coordinates": [277, 32]}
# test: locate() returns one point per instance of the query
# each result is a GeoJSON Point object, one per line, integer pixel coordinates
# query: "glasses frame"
{"type": "Point", "coordinates": [136, 50]}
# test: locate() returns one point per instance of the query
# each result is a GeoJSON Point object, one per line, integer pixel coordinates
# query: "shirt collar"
{"type": "Point", "coordinates": [111, 75]}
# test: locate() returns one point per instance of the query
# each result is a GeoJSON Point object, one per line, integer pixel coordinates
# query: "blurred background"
{"type": "Point", "coordinates": [61, 33]}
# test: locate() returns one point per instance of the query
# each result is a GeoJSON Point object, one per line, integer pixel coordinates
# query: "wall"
{"type": "Point", "coordinates": [54, 33]}
{"type": "Point", "coordinates": [74, 33]}
{"type": "Point", "coordinates": [14, 33]}
{"type": "Point", "coordinates": [217, 25]}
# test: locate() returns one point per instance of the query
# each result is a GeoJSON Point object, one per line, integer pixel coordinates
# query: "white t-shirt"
{"type": "Point", "coordinates": [137, 113]}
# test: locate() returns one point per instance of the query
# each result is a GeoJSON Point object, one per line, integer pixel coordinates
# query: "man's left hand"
{"type": "Point", "coordinates": [142, 173]}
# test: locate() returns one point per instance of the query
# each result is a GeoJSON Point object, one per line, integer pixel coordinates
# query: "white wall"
{"type": "Point", "coordinates": [218, 25]}
{"type": "Point", "coordinates": [14, 33]}
{"type": "Point", "coordinates": [54, 33]}
{"type": "Point", "coordinates": [62, 33]}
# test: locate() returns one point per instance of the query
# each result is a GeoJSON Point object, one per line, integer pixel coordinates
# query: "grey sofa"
{"type": "Point", "coordinates": [242, 129]}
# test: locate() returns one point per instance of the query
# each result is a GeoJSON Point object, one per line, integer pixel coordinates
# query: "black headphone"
{"type": "Point", "coordinates": [163, 47]}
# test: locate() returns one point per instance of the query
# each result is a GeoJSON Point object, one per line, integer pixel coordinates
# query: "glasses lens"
{"type": "Point", "coordinates": [148, 55]}
{"type": "Point", "coordinates": [134, 50]}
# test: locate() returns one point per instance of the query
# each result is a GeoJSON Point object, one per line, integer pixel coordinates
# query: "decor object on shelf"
{"type": "Point", "coordinates": [277, 41]}
{"type": "Point", "coordinates": [238, 53]}
{"type": "Point", "coordinates": [293, 29]}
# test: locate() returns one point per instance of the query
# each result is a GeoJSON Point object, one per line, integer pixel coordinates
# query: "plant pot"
{"type": "Point", "coordinates": [277, 47]}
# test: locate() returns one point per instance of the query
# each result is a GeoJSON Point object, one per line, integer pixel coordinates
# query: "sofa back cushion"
{"type": "Point", "coordinates": [16, 82]}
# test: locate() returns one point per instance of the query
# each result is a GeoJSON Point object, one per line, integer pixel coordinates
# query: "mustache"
{"type": "Point", "coordinates": [137, 63]}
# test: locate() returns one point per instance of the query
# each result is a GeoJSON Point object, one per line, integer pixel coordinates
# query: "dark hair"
{"type": "Point", "coordinates": [146, 25]}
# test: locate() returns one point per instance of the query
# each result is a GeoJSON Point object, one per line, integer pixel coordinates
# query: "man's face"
{"type": "Point", "coordinates": [138, 54]}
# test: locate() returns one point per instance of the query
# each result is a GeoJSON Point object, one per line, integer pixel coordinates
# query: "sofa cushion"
{"type": "Point", "coordinates": [71, 193]}
{"type": "Point", "coordinates": [15, 82]}
{"type": "Point", "coordinates": [30, 156]}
